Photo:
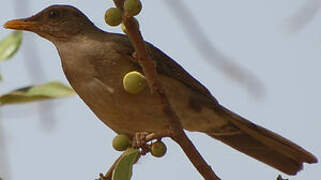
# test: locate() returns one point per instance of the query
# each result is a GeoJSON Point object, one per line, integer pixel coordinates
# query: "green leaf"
{"type": "Point", "coordinates": [46, 91]}
{"type": "Point", "coordinates": [124, 167]}
{"type": "Point", "coordinates": [10, 45]}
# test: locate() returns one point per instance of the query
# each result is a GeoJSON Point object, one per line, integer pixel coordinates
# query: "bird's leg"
{"type": "Point", "coordinates": [141, 140]}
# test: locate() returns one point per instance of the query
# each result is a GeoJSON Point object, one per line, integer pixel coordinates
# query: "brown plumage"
{"type": "Point", "coordinates": [95, 62]}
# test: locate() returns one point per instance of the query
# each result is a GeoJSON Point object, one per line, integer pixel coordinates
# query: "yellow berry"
{"type": "Point", "coordinates": [158, 149]}
{"type": "Point", "coordinates": [121, 142]}
{"type": "Point", "coordinates": [113, 16]}
{"type": "Point", "coordinates": [132, 7]}
{"type": "Point", "coordinates": [134, 82]}
{"type": "Point", "coordinates": [123, 27]}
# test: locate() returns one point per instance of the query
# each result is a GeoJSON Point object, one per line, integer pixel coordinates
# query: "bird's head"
{"type": "Point", "coordinates": [55, 23]}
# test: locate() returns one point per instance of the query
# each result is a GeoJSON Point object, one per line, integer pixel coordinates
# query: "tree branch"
{"type": "Point", "coordinates": [109, 173]}
{"type": "Point", "coordinates": [149, 68]}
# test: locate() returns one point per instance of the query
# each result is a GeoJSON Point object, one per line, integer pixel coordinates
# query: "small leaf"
{"type": "Point", "coordinates": [36, 93]}
{"type": "Point", "coordinates": [10, 45]}
{"type": "Point", "coordinates": [123, 170]}
{"type": "Point", "coordinates": [52, 89]}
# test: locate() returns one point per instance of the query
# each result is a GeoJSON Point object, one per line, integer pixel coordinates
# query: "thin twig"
{"type": "Point", "coordinates": [280, 178]}
{"type": "Point", "coordinates": [304, 15]}
{"type": "Point", "coordinates": [149, 68]}
{"type": "Point", "coordinates": [109, 173]}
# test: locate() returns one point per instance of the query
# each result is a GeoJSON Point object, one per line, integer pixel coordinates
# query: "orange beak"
{"type": "Point", "coordinates": [21, 24]}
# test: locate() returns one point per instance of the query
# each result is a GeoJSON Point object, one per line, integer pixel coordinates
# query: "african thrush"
{"type": "Point", "coordinates": [95, 62]}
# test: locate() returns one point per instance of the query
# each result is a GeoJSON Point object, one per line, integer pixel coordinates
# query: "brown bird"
{"type": "Point", "coordinates": [95, 63]}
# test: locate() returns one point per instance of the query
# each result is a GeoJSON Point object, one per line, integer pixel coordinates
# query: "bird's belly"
{"type": "Point", "coordinates": [127, 113]}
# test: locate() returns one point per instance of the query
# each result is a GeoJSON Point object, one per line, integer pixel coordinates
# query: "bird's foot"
{"type": "Point", "coordinates": [141, 140]}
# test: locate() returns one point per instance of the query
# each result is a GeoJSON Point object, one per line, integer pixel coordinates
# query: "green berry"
{"type": "Point", "coordinates": [121, 142]}
{"type": "Point", "coordinates": [113, 16]}
{"type": "Point", "coordinates": [132, 7]}
{"type": "Point", "coordinates": [134, 82]}
{"type": "Point", "coordinates": [158, 149]}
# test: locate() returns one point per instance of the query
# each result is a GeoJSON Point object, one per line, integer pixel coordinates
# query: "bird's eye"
{"type": "Point", "coordinates": [53, 14]}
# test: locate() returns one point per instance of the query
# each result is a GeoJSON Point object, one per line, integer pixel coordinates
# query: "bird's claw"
{"type": "Point", "coordinates": [141, 140]}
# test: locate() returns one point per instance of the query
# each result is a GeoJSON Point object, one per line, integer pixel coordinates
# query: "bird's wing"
{"type": "Point", "coordinates": [167, 66]}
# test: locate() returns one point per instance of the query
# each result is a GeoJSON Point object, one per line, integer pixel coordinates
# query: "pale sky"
{"type": "Point", "coordinates": [67, 141]}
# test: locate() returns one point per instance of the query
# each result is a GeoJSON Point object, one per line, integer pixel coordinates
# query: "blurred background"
{"type": "Point", "coordinates": [277, 44]}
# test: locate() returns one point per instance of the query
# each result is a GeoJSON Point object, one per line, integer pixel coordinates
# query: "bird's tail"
{"type": "Point", "coordinates": [262, 144]}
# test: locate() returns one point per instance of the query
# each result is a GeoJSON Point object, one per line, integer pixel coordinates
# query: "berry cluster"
{"type": "Point", "coordinates": [113, 16]}
{"type": "Point", "coordinates": [122, 142]}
